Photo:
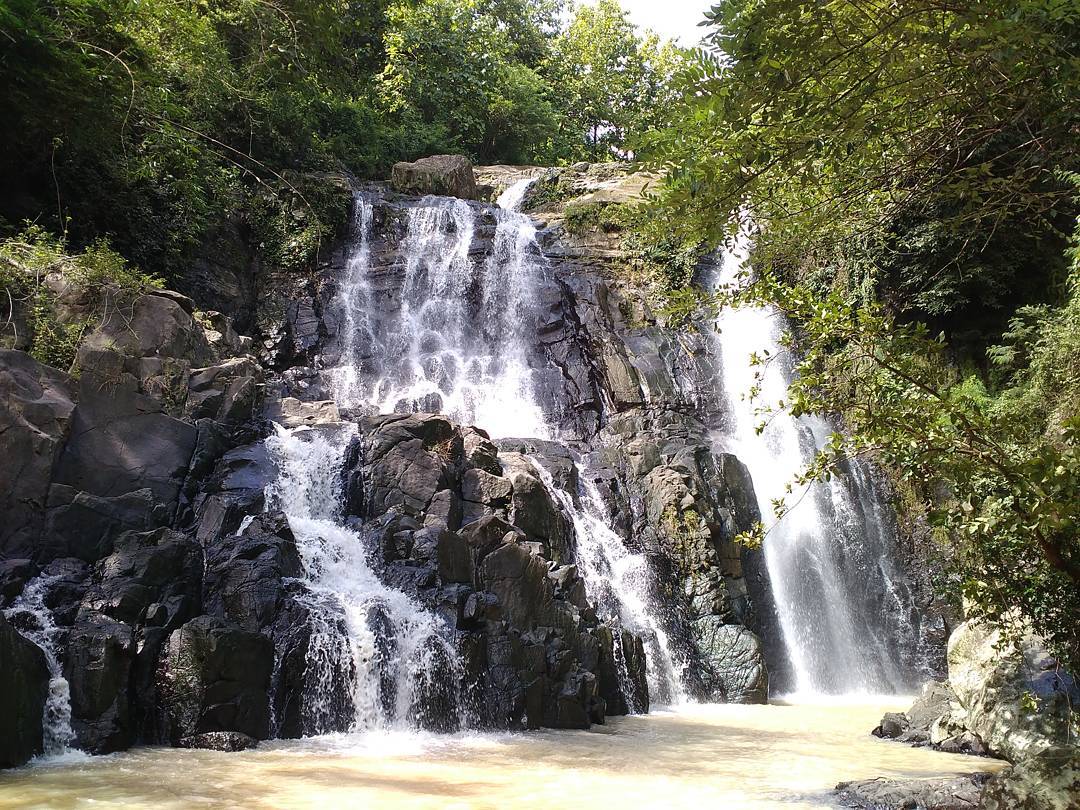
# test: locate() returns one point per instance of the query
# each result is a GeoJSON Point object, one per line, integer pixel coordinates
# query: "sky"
{"type": "Point", "coordinates": [672, 19]}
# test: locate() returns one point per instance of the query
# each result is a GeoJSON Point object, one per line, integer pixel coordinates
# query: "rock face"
{"type": "Point", "coordinates": [956, 793]}
{"type": "Point", "coordinates": [1048, 780]}
{"type": "Point", "coordinates": [1017, 699]}
{"type": "Point", "coordinates": [215, 677]}
{"type": "Point", "coordinates": [444, 175]}
{"type": "Point", "coordinates": [36, 405]}
{"type": "Point", "coordinates": [182, 600]}
{"type": "Point", "coordinates": [1006, 700]}
{"type": "Point", "coordinates": [24, 679]}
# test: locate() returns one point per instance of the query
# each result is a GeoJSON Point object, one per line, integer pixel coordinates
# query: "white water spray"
{"type": "Point", "coordinates": [391, 651]}
{"type": "Point", "coordinates": [619, 583]}
{"type": "Point", "coordinates": [456, 342]}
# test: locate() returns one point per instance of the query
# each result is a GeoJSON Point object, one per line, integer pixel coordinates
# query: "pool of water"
{"type": "Point", "coordinates": [710, 756]}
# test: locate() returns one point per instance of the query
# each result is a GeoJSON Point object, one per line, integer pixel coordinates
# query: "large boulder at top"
{"type": "Point", "coordinates": [215, 676]}
{"type": "Point", "coordinates": [445, 175]}
{"type": "Point", "coordinates": [1014, 696]}
{"type": "Point", "coordinates": [35, 410]}
{"type": "Point", "coordinates": [24, 688]}
{"type": "Point", "coordinates": [1050, 780]}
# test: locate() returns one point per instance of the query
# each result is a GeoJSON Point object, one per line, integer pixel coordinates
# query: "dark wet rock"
{"type": "Point", "coordinates": [14, 574]}
{"type": "Point", "coordinates": [123, 441]}
{"type": "Point", "coordinates": [914, 726]}
{"type": "Point", "coordinates": [100, 654]}
{"type": "Point", "coordinates": [953, 793]}
{"type": "Point", "coordinates": [215, 676]}
{"type": "Point", "coordinates": [36, 407]}
{"type": "Point", "coordinates": [235, 489]}
{"type": "Point", "coordinates": [151, 578]}
{"type": "Point", "coordinates": [245, 570]}
{"type": "Point", "coordinates": [226, 392]}
{"type": "Point", "coordinates": [225, 741]}
{"type": "Point", "coordinates": [519, 579]}
{"type": "Point", "coordinates": [1049, 780]}
{"type": "Point", "coordinates": [445, 175]}
{"type": "Point", "coordinates": [24, 688]}
{"type": "Point", "coordinates": [81, 524]}
{"type": "Point", "coordinates": [734, 660]}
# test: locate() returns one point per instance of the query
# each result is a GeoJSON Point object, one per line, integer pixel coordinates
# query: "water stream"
{"type": "Point", "coordinates": [372, 647]}
{"type": "Point", "coordinates": [31, 616]}
{"type": "Point", "coordinates": [619, 584]}
{"type": "Point", "coordinates": [843, 607]}
{"type": "Point", "coordinates": [456, 339]}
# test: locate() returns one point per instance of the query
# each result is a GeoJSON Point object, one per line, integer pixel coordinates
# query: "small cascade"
{"type": "Point", "coordinates": [32, 618]}
{"type": "Point", "coordinates": [619, 583]}
{"type": "Point", "coordinates": [456, 341]}
{"type": "Point", "coordinates": [375, 656]}
{"type": "Point", "coordinates": [354, 302]}
{"type": "Point", "coordinates": [843, 606]}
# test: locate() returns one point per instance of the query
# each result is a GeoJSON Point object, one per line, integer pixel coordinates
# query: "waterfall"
{"type": "Point", "coordinates": [399, 670]}
{"type": "Point", "coordinates": [457, 340]}
{"type": "Point", "coordinates": [354, 302]}
{"type": "Point", "coordinates": [843, 608]}
{"type": "Point", "coordinates": [34, 620]}
{"type": "Point", "coordinates": [619, 583]}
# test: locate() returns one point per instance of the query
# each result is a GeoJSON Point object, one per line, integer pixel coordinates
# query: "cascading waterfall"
{"type": "Point", "coordinates": [399, 670]}
{"type": "Point", "coordinates": [844, 609]}
{"type": "Point", "coordinates": [355, 305]}
{"type": "Point", "coordinates": [32, 618]}
{"type": "Point", "coordinates": [457, 345]}
{"type": "Point", "coordinates": [618, 582]}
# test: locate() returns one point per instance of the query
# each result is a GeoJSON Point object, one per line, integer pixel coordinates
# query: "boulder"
{"type": "Point", "coordinates": [83, 525]}
{"type": "Point", "coordinates": [151, 578]}
{"type": "Point", "coordinates": [36, 407]}
{"type": "Point", "coordinates": [226, 392]}
{"type": "Point", "coordinates": [444, 175]}
{"type": "Point", "coordinates": [291, 412]}
{"type": "Point", "coordinates": [1015, 697]}
{"type": "Point", "coordinates": [1049, 780]}
{"type": "Point", "coordinates": [123, 441]}
{"type": "Point", "coordinates": [24, 688]}
{"type": "Point", "coordinates": [226, 741]}
{"type": "Point", "coordinates": [735, 661]}
{"type": "Point", "coordinates": [913, 726]}
{"type": "Point", "coordinates": [245, 571]}
{"type": "Point", "coordinates": [100, 654]}
{"type": "Point", "coordinates": [215, 676]}
{"type": "Point", "coordinates": [950, 793]}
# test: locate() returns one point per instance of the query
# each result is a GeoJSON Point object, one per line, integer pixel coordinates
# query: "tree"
{"type": "Point", "coordinates": [461, 76]}
{"type": "Point", "coordinates": [615, 83]}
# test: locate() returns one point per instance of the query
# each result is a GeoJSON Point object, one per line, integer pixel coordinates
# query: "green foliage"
{"type": "Point", "coordinates": [614, 84]}
{"type": "Point", "coordinates": [910, 164]}
{"type": "Point", "coordinates": [152, 121]}
{"type": "Point", "coordinates": [34, 272]}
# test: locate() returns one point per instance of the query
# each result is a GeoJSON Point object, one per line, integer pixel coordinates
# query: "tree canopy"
{"type": "Point", "coordinates": [148, 121]}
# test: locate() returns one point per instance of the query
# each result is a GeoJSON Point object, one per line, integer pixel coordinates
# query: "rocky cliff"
{"type": "Point", "coordinates": [168, 593]}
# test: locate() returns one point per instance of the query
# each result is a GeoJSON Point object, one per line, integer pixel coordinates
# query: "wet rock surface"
{"type": "Point", "coordinates": [955, 793]}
